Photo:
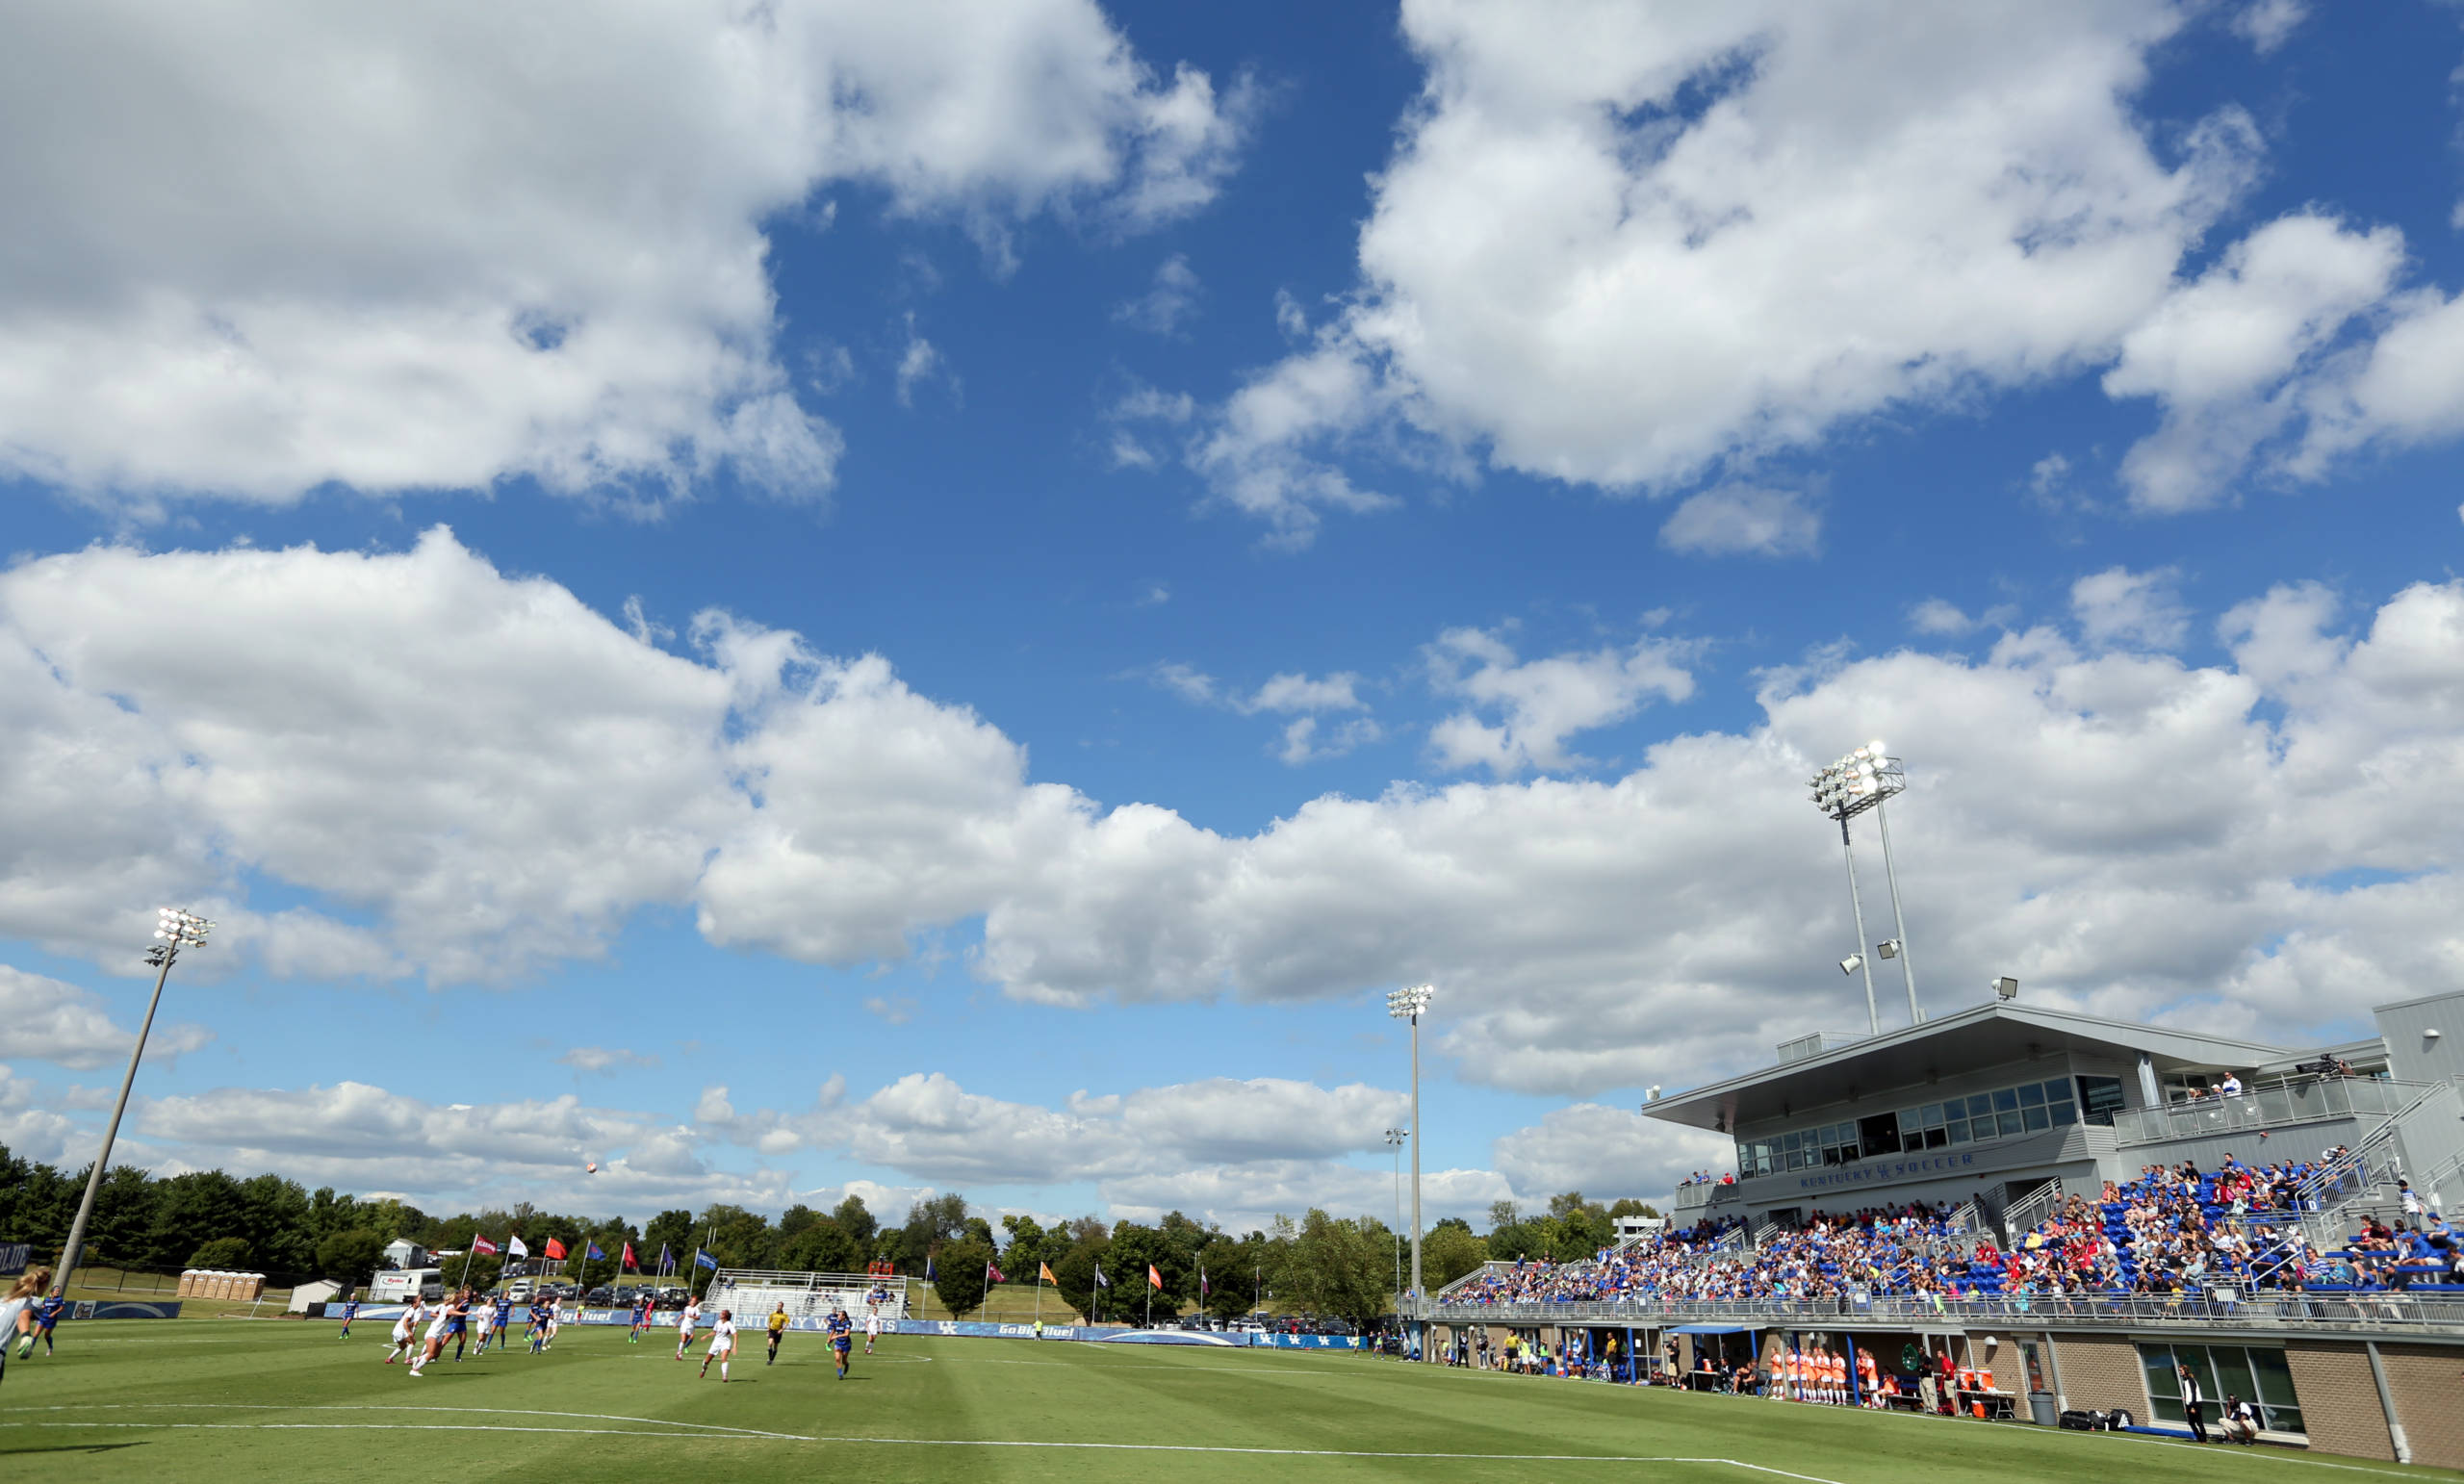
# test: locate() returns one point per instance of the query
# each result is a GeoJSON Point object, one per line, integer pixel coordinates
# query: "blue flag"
{"type": "Point", "coordinates": [1101, 1281]}
{"type": "Point", "coordinates": [595, 1255]}
{"type": "Point", "coordinates": [928, 1268]}
{"type": "Point", "coordinates": [666, 1259]}
{"type": "Point", "coordinates": [701, 1259]}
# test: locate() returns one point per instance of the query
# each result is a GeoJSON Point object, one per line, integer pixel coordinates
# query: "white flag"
{"type": "Point", "coordinates": [513, 1248]}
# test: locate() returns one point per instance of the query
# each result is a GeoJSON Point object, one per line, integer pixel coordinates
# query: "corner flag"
{"type": "Point", "coordinates": [1043, 1274]}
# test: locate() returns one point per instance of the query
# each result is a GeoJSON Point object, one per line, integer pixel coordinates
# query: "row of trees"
{"type": "Point", "coordinates": [1343, 1266]}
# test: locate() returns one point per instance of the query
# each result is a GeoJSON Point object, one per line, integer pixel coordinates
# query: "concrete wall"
{"type": "Point", "coordinates": [2286, 1141]}
{"type": "Point", "coordinates": [2413, 1057]}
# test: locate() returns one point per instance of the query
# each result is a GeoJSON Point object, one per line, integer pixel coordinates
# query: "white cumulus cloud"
{"type": "Point", "coordinates": [445, 243]}
{"type": "Point", "coordinates": [1623, 244]}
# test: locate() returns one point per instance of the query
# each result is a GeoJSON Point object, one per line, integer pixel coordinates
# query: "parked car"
{"type": "Point", "coordinates": [600, 1297]}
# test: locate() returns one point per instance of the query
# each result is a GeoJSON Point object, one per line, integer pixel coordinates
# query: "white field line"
{"type": "Point", "coordinates": [711, 1434]}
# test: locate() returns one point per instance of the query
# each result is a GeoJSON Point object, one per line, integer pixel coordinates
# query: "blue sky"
{"type": "Point", "coordinates": [1330, 499]}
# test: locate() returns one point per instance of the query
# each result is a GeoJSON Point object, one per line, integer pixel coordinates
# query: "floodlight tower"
{"type": "Point", "coordinates": [174, 930]}
{"type": "Point", "coordinates": [1410, 1005]}
{"type": "Point", "coordinates": [1866, 780]}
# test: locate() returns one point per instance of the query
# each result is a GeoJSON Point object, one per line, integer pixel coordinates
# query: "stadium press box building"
{"type": "Point", "coordinates": [1994, 1104]}
{"type": "Point", "coordinates": [2000, 1112]}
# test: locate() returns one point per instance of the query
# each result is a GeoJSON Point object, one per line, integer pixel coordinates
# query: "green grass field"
{"type": "Point", "coordinates": [235, 1400]}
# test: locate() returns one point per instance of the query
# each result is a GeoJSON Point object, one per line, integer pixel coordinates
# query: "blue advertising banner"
{"type": "Point", "coordinates": [1307, 1342]}
{"type": "Point", "coordinates": [105, 1309]}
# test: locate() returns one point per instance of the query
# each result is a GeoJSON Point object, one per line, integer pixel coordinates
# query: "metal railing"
{"type": "Point", "coordinates": [2030, 1211]}
{"type": "Point", "coordinates": [806, 1294]}
{"type": "Point", "coordinates": [2264, 1106]}
{"type": "Point", "coordinates": [2287, 1311]}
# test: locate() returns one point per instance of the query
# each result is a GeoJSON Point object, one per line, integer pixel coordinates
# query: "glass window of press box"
{"type": "Point", "coordinates": [2005, 1113]}
{"type": "Point", "coordinates": [2256, 1374]}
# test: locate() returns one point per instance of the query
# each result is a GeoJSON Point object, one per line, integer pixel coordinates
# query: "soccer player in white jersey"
{"type": "Point", "coordinates": [406, 1330]}
{"type": "Point", "coordinates": [686, 1324]}
{"type": "Point", "coordinates": [485, 1318]}
{"type": "Point", "coordinates": [555, 1316]}
{"type": "Point", "coordinates": [722, 1346]}
{"type": "Point", "coordinates": [439, 1330]}
{"type": "Point", "coordinates": [872, 1328]}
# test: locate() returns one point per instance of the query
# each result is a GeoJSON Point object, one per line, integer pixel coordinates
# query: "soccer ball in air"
{"type": "Point", "coordinates": [591, 1168]}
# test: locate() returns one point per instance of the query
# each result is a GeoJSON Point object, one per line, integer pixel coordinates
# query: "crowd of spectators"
{"type": "Point", "coordinates": [2169, 1230]}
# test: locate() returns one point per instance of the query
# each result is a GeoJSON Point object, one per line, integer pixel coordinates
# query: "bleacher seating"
{"type": "Point", "coordinates": [2168, 1231]}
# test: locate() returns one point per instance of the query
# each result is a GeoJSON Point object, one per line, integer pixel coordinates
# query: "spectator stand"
{"type": "Point", "coordinates": [809, 1296]}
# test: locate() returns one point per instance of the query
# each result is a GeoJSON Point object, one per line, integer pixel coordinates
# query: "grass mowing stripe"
{"type": "Point", "coordinates": [749, 1436]}
{"type": "Point", "coordinates": [273, 1406]}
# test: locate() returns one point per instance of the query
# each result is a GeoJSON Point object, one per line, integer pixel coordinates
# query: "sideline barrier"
{"type": "Point", "coordinates": [108, 1309]}
{"type": "Point", "coordinates": [962, 1329]}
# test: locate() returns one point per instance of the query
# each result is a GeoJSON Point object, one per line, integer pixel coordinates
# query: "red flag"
{"type": "Point", "coordinates": [482, 1245]}
{"type": "Point", "coordinates": [556, 1250]}
{"type": "Point", "coordinates": [631, 1264]}
{"type": "Point", "coordinates": [992, 1274]}
{"type": "Point", "coordinates": [1154, 1279]}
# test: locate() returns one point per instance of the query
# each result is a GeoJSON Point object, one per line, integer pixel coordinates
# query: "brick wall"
{"type": "Point", "coordinates": [2427, 1381]}
{"type": "Point", "coordinates": [2339, 1399]}
{"type": "Point", "coordinates": [2100, 1372]}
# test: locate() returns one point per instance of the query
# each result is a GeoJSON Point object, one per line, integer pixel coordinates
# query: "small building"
{"type": "Point", "coordinates": [402, 1252]}
{"type": "Point", "coordinates": [323, 1291]}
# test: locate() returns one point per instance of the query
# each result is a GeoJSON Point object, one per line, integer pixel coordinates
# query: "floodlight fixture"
{"type": "Point", "coordinates": [2006, 987]}
{"type": "Point", "coordinates": [1852, 964]}
{"type": "Point", "coordinates": [1862, 779]}
{"type": "Point", "coordinates": [1409, 1003]}
{"type": "Point", "coordinates": [1888, 948]}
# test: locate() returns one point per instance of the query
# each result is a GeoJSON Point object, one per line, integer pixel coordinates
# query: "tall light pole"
{"type": "Point", "coordinates": [1395, 1140]}
{"type": "Point", "coordinates": [176, 930]}
{"type": "Point", "coordinates": [1410, 1005]}
{"type": "Point", "coordinates": [1866, 780]}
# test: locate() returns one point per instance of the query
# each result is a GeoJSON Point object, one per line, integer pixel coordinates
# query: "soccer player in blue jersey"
{"type": "Point", "coordinates": [46, 1315]}
{"type": "Point", "coordinates": [351, 1312]}
{"type": "Point", "coordinates": [641, 1319]}
{"type": "Point", "coordinates": [842, 1338]}
{"type": "Point", "coordinates": [538, 1328]}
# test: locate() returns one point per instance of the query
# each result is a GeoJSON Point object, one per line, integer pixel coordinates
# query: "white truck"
{"type": "Point", "coordinates": [402, 1285]}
